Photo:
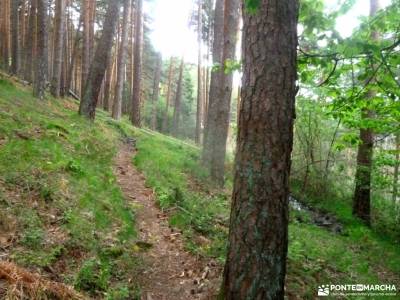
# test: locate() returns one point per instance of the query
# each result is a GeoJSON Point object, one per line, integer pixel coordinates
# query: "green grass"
{"type": "Point", "coordinates": [316, 256]}
{"type": "Point", "coordinates": [69, 210]}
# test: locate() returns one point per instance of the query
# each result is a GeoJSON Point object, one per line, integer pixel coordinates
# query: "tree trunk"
{"type": "Point", "coordinates": [137, 74]}
{"type": "Point", "coordinates": [258, 237]}
{"type": "Point", "coordinates": [156, 91]}
{"type": "Point", "coordinates": [216, 77]}
{"type": "Point", "coordinates": [117, 105]}
{"type": "Point", "coordinates": [58, 47]}
{"type": "Point", "coordinates": [199, 74]}
{"type": "Point", "coordinates": [95, 78]}
{"type": "Point", "coordinates": [107, 83]}
{"type": "Point", "coordinates": [168, 97]}
{"type": "Point", "coordinates": [396, 170]}
{"type": "Point", "coordinates": [30, 43]}
{"type": "Point", "coordinates": [362, 193]}
{"type": "Point", "coordinates": [178, 99]}
{"type": "Point", "coordinates": [42, 52]}
{"type": "Point", "coordinates": [15, 55]}
{"type": "Point", "coordinates": [85, 10]}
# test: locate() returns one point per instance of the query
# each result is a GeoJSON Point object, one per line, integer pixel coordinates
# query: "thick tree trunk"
{"type": "Point", "coordinates": [137, 74]}
{"type": "Point", "coordinates": [362, 193]}
{"type": "Point", "coordinates": [168, 96]}
{"type": "Point", "coordinates": [200, 96]}
{"type": "Point", "coordinates": [258, 238]}
{"type": "Point", "coordinates": [95, 78]}
{"type": "Point", "coordinates": [42, 52]}
{"type": "Point", "coordinates": [117, 105]}
{"type": "Point", "coordinates": [156, 92]}
{"type": "Point", "coordinates": [215, 81]}
{"type": "Point", "coordinates": [15, 47]}
{"type": "Point", "coordinates": [59, 21]}
{"type": "Point", "coordinates": [178, 100]}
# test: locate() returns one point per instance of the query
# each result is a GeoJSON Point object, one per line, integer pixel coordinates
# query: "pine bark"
{"type": "Point", "coordinates": [362, 193]}
{"type": "Point", "coordinates": [85, 10]}
{"type": "Point", "coordinates": [137, 73]}
{"type": "Point", "coordinates": [117, 105]}
{"type": "Point", "coordinates": [30, 43]}
{"type": "Point", "coordinates": [178, 100]}
{"type": "Point", "coordinates": [97, 70]}
{"type": "Point", "coordinates": [258, 237]}
{"type": "Point", "coordinates": [156, 91]}
{"type": "Point", "coordinates": [59, 29]}
{"type": "Point", "coordinates": [168, 96]}
{"type": "Point", "coordinates": [41, 65]}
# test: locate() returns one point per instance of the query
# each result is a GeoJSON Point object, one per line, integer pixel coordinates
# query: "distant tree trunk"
{"type": "Point", "coordinates": [396, 170]}
{"type": "Point", "coordinates": [117, 105]}
{"type": "Point", "coordinates": [5, 33]}
{"type": "Point", "coordinates": [362, 193]}
{"type": "Point", "coordinates": [258, 235]}
{"type": "Point", "coordinates": [58, 47]}
{"type": "Point", "coordinates": [42, 52]}
{"type": "Point", "coordinates": [216, 77]}
{"type": "Point", "coordinates": [199, 110]}
{"type": "Point", "coordinates": [137, 74]}
{"type": "Point", "coordinates": [30, 43]}
{"type": "Point", "coordinates": [85, 10]}
{"type": "Point", "coordinates": [107, 83]}
{"type": "Point", "coordinates": [178, 100]}
{"type": "Point", "coordinates": [74, 55]}
{"type": "Point", "coordinates": [95, 78]}
{"type": "Point", "coordinates": [15, 49]}
{"type": "Point", "coordinates": [156, 91]}
{"type": "Point", "coordinates": [168, 97]}
{"type": "Point", "coordinates": [219, 111]}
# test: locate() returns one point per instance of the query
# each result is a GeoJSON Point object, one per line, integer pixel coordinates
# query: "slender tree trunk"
{"type": "Point", "coordinates": [85, 10]}
{"type": "Point", "coordinates": [178, 100]}
{"type": "Point", "coordinates": [15, 52]}
{"type": "Point", "coordinates": [74, 55]}
{"type": "Point", "coordinates": [156, 91]}
{"type": "Point", "coordinates": [258, 234]}
{"type": "Point", "coordinates": [58, 47]}
{"type": "Point", "coordinates": [107, 83]}
{"type": "Point", "coordinates": [168, 97]}
{"type": "Point", "coordinates": [137, 74]}
{"type": "Point", "coordinates": [396, 170]}
{"type": "Point", "coordinates": [199, 110]}
{"type": "Point", "coordinates": [42, 52]}
{"type": "Point", "coordinates": [92, 87]}
{"type": "Point", "coordinates": [6, 35]}
{"type": "Point", "coordinates": [117, 105]}
{"type": "Point", "coordinates": [216, 78]}
{"type": "Point", "coordinates": [362, 193]}
{"type": "Point", "coordinates": [30, 43]}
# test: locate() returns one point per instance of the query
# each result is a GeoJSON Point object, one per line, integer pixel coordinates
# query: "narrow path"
{"type": "Point", "coordinates": [170, 272]}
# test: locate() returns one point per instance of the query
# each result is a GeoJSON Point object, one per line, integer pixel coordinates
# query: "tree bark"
{"type": "Point", "coordinates": [97, 70]}
{"type": "Point", "coordinates": [30, 43]}
{"type": "Point", "coordinates": [58, 48]}
{"type": "Point", "coordinates": [42, 51]}
{"type": "Point", "coordinates": [156, 91]}
{"type": "Point", "coordinates": [137, 74]}
{"type": "Point", "coordinates": [362, 193]}
{"type": "Point", "coordinates": [258, 237]}
{"type": "Point", "coordinates": [178, 100]}
{"type": "Point", "coordinates": [85, 10]}
{"type": "Point", "coordinates": [117, 105]}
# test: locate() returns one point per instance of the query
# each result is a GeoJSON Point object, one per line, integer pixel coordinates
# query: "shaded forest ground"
{"type": "Point", "coordinates": [63, 214]}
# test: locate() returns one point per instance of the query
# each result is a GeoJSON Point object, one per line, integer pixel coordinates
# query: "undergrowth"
{"type": "Point", "coordinates": [60, 194]}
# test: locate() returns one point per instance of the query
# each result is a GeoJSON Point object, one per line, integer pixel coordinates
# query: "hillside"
{"type": "Point", "coordinates": [63, 213]}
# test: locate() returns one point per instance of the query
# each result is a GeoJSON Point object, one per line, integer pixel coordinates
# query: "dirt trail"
{"type": "Point", "coordinates": [170, 272]}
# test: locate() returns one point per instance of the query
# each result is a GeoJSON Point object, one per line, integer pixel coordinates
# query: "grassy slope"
{"type": "Point", "coordinates": [57, 183]}
{"type": "Point", "coordinates": [59, 200]}
{"type": "Point", "coordinates": [316, 256]}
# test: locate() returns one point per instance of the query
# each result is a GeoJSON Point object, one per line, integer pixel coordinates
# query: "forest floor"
{"type": "Point", "coordinates": [170, 271]}
{"type": "Point", "coordinates": [81, 208]}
